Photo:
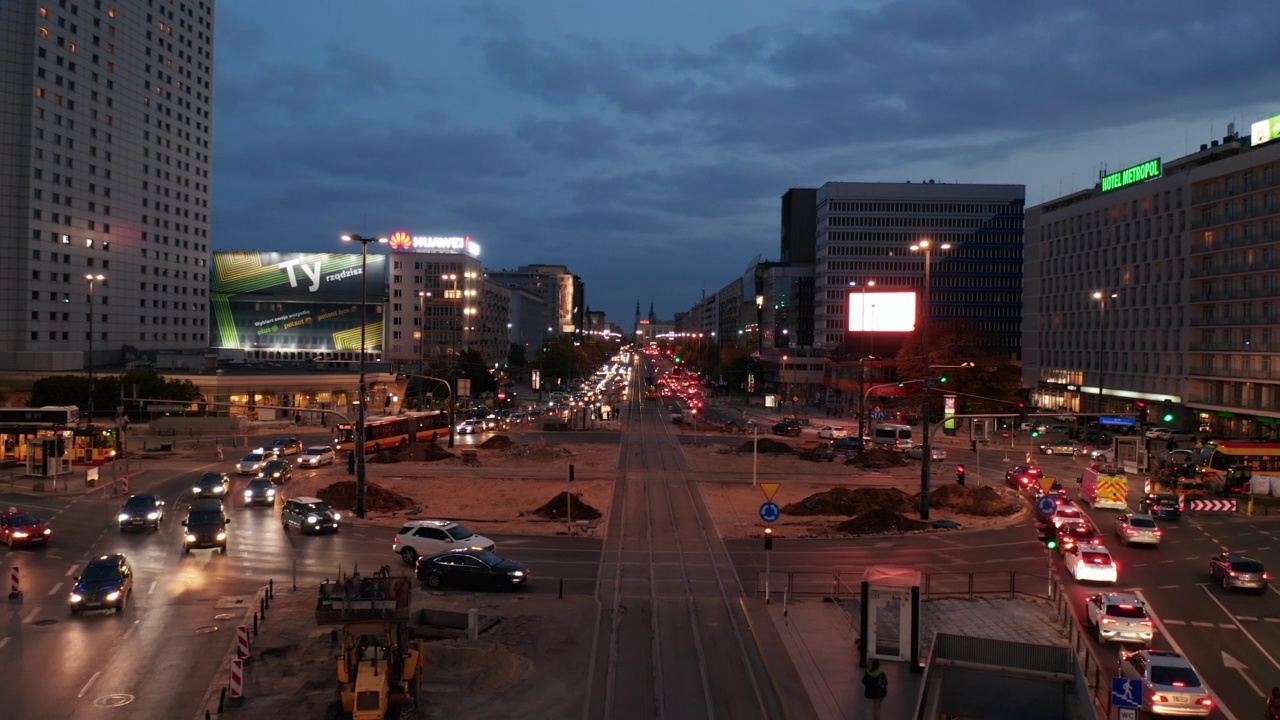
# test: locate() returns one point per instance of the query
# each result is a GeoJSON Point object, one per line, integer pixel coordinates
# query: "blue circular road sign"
{"type": "Point", "coordinates": [1046, 505]}
{"type": "Point", "coordinates": [770, 512]}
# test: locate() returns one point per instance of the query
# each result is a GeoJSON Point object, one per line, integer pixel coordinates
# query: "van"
{"type": "Point", "coordinates": [896, 437]}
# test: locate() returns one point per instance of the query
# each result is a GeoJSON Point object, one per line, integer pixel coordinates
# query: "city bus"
{"type": "Point", "coordinates": [1218, 456]}
{"type": "Point", "coordinates": [394, 430]}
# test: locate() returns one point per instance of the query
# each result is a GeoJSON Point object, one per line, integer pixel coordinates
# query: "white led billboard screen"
{"type": "Point", "coordinates": [882, 311]}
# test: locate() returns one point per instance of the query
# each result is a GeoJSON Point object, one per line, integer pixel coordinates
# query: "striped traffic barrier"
{"type": "Point", "coordinates": [124, 485]}
{"type": "Point", "coordinates": [1211, 505]}
{"type": "Point", "coordinates": [15, 590]}
{"type": "Point", "coordinates": [237, 679]}
{"type": "Point", "coordinates": [242, 641]}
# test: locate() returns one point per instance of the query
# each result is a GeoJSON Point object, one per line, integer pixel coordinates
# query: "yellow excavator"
{"type": "Point", "coordinates": [379, 664]}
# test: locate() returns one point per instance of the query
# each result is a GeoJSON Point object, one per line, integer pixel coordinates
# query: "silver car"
{"type": "Point", "coordinates": [1170, 686]}
{"type": "Point", "coordinates": [1138, 528]}
{"type": "Point", "coordinates": [1237, 571]}
{"type": "Point", "coordinates": [250, 464]}
{"type": "Point", "coordinates": [1120, 617]}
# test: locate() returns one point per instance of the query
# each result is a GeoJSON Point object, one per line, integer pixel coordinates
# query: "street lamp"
{"type": "Point", "coordinates": [91, 278]}
{"type": "Point", "coordinates": [926, 247]}
{"type": "Point", "coordinates": [1102, 298]}
{"type": "Point", "coordinates": [361, 476]}
{"type": "Point", "coordinates": [422, 331]}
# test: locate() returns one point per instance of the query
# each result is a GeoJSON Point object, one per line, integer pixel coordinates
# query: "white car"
{"type": "Point", "coordinates": [1170, 685]}
{"type": "Point", "coordinates": [469, 427]}
{"type": "Point", "coordinates": [250, 464]}
{"type": "Point", "coordinates": [1138, 528]}
{"type": "Point", "coordinates": [1159, 433]}
{"type": "Point", "coordinates": [316, 456]}
{"type": "Point", "coordinates": [1120, 617]}
{"type": "Point", "coordinates": [428, 538]}
{"type": "Point", "coordinates": [917, 452]}
{"type": "Point", "coordinates": [1091, 563]}
{"type": "Point", "coordinates": [832, 432]}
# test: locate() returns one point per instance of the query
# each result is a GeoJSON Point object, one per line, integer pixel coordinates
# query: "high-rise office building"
{"type": "Point", "coordinates": [105, 114]}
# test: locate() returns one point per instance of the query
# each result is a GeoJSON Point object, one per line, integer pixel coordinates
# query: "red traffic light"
{"type": "Point", "coordinates": [960, 469]}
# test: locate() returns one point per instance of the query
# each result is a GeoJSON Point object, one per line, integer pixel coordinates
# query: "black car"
{"type": "Point", "coordinates": [260, 491]}
{"type": "Point", "coordinates": [141, 512]}
{"type": "Point", "coordinates": [847, 443]}
{"type": "Point", "coordinates": [787, 427]}
{"type": "Point", "coordinates": [1161, 506]}
{"type": "Point", "coordinates": [106, 583]}
{"type": "Point", "coordinates": [309, 514]}
{"type": "Point", "coordinates": [206, 526]}
{"type": "Point", "coordinates": [278, 472]}
{"type": "Point", "coordinates": [212, 485]}
{"type": "Point", "coordinates": [471, 568]}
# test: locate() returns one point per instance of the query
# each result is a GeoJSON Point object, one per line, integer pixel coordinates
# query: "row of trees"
{"type": "Point", "coordinates": [109, 390]}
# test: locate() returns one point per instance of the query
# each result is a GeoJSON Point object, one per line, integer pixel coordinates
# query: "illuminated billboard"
{"type": "Point", "coordinates": [1131, 176]}
{"type": "Point", "coordinates": [882, 311]}
{"type": "Point", "coordinates": [1264, 131]}
{"type": "Point", "coordinates": [566, 304]}
{"type": "Point", "coordinates": [295, 301]}
{"type": "Point", "coordinates": [404, 242]}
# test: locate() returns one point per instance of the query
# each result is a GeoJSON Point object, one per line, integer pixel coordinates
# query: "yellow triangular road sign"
{"type": "Point", "coordinates": [769, 489]}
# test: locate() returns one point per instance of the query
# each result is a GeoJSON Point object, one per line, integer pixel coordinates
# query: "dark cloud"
{"type": "Point", "coordinates": [579, 137]}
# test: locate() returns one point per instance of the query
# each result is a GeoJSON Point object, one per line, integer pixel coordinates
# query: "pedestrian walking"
{"type": "Point", "coordinates": [877, 686]}
{"type": "Point", "coordinates": [297, 419]}
{"type": "Point", "coordinates": [220, 451]}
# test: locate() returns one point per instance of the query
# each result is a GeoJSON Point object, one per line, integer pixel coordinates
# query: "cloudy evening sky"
{"type": "Point", "coordinates": [646, 145]}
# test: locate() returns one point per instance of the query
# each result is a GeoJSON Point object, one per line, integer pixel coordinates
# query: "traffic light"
{"type": "Point", "coordinates": [351, 462]}
{"type": "Point", "coordinates": [902, 384]}
{"type": "Point", "coordinates": [1168, 410]}
{"type": "Point", "coordinates": [960, 474]}
{"type": "Point", "coordinates": [1035, 432]}
{"type": "Point", "coordinates": [1142, 410]}
{"type": "Point", "coordinates": [768, 538]}
{"type": "Point", "coordinates": [942, 379]}
{"type": "Point", "coordinates": [1022, 412]}
{"type": "Point", "coordinates": [1050, 543]}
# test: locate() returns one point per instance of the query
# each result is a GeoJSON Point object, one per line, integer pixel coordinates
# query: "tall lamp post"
{"type": "Point", "coordinates": [1102, 298]}
{"type": "Point", "coordinates": [866, 352]}
{"type": "Point", "coordinates": [422, 331]}
{"type": "Point", "coordinates": [91, 278]}
{"type": "Point", "coordinates": [925, 246]}
{"type": "Point", "coordinates": [361, 476]}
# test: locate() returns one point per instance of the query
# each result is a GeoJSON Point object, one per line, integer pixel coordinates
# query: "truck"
{"type": "Point", "coordinates": [1104, 487]}
{"type": "Point", "coordinates": [1181, 480]}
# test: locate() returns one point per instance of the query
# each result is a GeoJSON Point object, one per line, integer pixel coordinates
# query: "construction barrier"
{"type": "Point", "coordinates": [15, 590]}
{"type": "Point", "coordinates": [1211, 505]}
{"type": "Point", "coordinates": [242, 641]}
{"type": "Point", "coordinates": [124, 484]}
{"type": "Point", "coordinates": [237, 678]}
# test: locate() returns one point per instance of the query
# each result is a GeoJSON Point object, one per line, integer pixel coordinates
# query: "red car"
{"type": "Point", "coordinates": [1024, 477]}
{"type": "Point", "coordinates": [1075, 534]}
{"type": "Point", "coordinates": [19, 528]}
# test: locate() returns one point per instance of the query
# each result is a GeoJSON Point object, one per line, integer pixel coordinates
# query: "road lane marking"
{"type": "Point", "coordinates": [4, 641]}
{"type": "Point", "coordinates": [131, 628]}
{"type": "Point", "coordinates": [152, 589]}
{"type": "Point", "coordinates": [1229, 626]}
{"type": "Point", "coordinates": [71, 570]}
{"type": "Point", "coordinates": [1175, 622]}
{"type": "Point", "coordinates": [1167, 587]}
{"type": "Point", "coordinates": [1247, 617]}
{"type": "Point", "coordinates": [1161, 626]}
{"type": "Point", "coordinates": [1197, 623]}
{"type": "Point", "coordinates": [85, 689]}
{"type": "Point", "coordinates": [55, 588]}
{"type": "Point", "coordinates": [1194, 557]}
{"type": "Point", "coordinates": [1252, 639]}
{"type": "Point", "coordinates": [30, 615]}
{"type": "Point", "coordinates": [1268, 547]}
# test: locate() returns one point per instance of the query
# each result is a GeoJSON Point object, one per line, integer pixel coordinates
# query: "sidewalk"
{"type": "Point", "coordinates": [823, 646]}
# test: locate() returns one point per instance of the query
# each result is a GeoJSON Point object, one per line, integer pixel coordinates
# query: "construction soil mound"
{"type": "Point", "coordinates": [988, 501]}
{"type": "Point", "coordinates": [342, 496]}
{"type": "Point", "coordinates": [497, 442]}
{"type": "Point", "coordinates": [555, 508]}
{"type": "Point", "coordinates": [879, 458]}
{"type": "Point", "coordinates": [875, 522]}
{"type": "Point", "coordinates": [472, 666]}
{"type": "Point", "coordinates": [767, 445]}
{"type": "Point", "coordinates": [852, 501]}
{"type": "Point", "coordinates": [537, 451]}
{"type": "Point", "coordinates": [424, 451]}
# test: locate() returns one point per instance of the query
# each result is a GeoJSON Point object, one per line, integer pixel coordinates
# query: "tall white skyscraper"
{"type": "Point", "coordinates": [105, 114]}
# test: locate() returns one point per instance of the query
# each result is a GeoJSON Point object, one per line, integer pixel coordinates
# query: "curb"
{"type": "Point", "coordinates": [209, 702]}
{"type": "Point", "coordinates": [788, 688]}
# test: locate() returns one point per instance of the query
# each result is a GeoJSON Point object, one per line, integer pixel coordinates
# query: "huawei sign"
{"type": "Point", "coordinates": [401, 241]}
{"type": "Point", "coordinates": [404, 242]}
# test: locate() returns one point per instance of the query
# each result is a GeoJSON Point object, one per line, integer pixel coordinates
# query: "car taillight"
{"type": "Point", "coordinates": [1233, 573]}
{"type": "Point", "coordinates": [1108, 621]}
{"type": "Point", "coordinates": [1205, 702]}
{"type": "Point", "coordinates": [1146, 623]}
{"type": "Point", "coordinates": [1266, 576]}
{"type": "Point", "coordinates": [1158, 698]}
{"type": "Point", "coordinates": [396, 541]}
{"type": "Point", "coordinates": [1159, 533]}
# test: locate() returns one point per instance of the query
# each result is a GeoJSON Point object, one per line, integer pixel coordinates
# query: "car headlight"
{"type": "Point", "coordinates": [312, 519]}
{"type": "Point", "coordinates": [191, 538]}
{"type": "Point", "coordinates": [19, 534]}
{"type": "Point", "coordinates": [113, 596]}
{"type": "Point", "coordinates": [196, 489]}
{"type": "Point", "coordinates": [77, 597]}
{"type": "Point", "coordinates": [47, 531]}
{"type": "Point", "coordinates": [222, 535]}
{"type": "Point", "coordinates": [153, 515]}
{"type": "Point", "coordinates": [248, 494]}
{"type": "Point", "coordinates": [271, 493]}
{"type": "Point", "coordinates": [336, 517]}
{"type": "Point", "coordinates": [516, 573]}
{"type": "Point", "coordinates": [218, 489]}
{"type": "Point", "coordinates": [123, 517]}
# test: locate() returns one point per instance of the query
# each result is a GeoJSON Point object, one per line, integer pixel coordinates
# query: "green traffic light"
{"type": "Point", "coordinates": [1051, 544]}
{"type": "Point", "coordinates": [1035, 433]}
{"type": "Point", "coordinates": [942, 379]}
{"type": "Point", "coordinates": [1168, 417]}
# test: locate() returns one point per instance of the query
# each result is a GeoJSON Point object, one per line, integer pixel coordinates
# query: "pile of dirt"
{"type": "Point", "coordinates": [875, 522]}
{"type": "Point", "coordinates": [988, 501]}
{"type": "Point", "coordinates": [342, 496]}
{"type": "Point", "coordinates": [947, 496]}
{"type": "Point", "coordinates": [555, 508]}
{"type": "Point", "coordinates": [472, 667]}
{"type": "Point", "coordinates": [497, 442]}
{"type": "Point", "coordinates": [852, 501]}
{"type": "Point", "coordinates": [422, 451]}
{"type": "Point", "coordinates": [767, 445]}
{"type": "Point", "coordinates": [538, 451]}
{"type": "Point", "coordinates": [879, 458]}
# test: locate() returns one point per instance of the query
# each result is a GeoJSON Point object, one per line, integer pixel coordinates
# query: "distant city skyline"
{"type": "Point", "coordinates": [647, 147]}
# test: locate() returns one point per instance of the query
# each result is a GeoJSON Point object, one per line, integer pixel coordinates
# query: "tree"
{"type": "Point", "coordinates": [74, 390]}
{"type": "Point", "coordinates": [734, 365]}
{"type": "Point", "coordinates": [991, 385]}
{"type": "Point", "coordinates": [471, 365]}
